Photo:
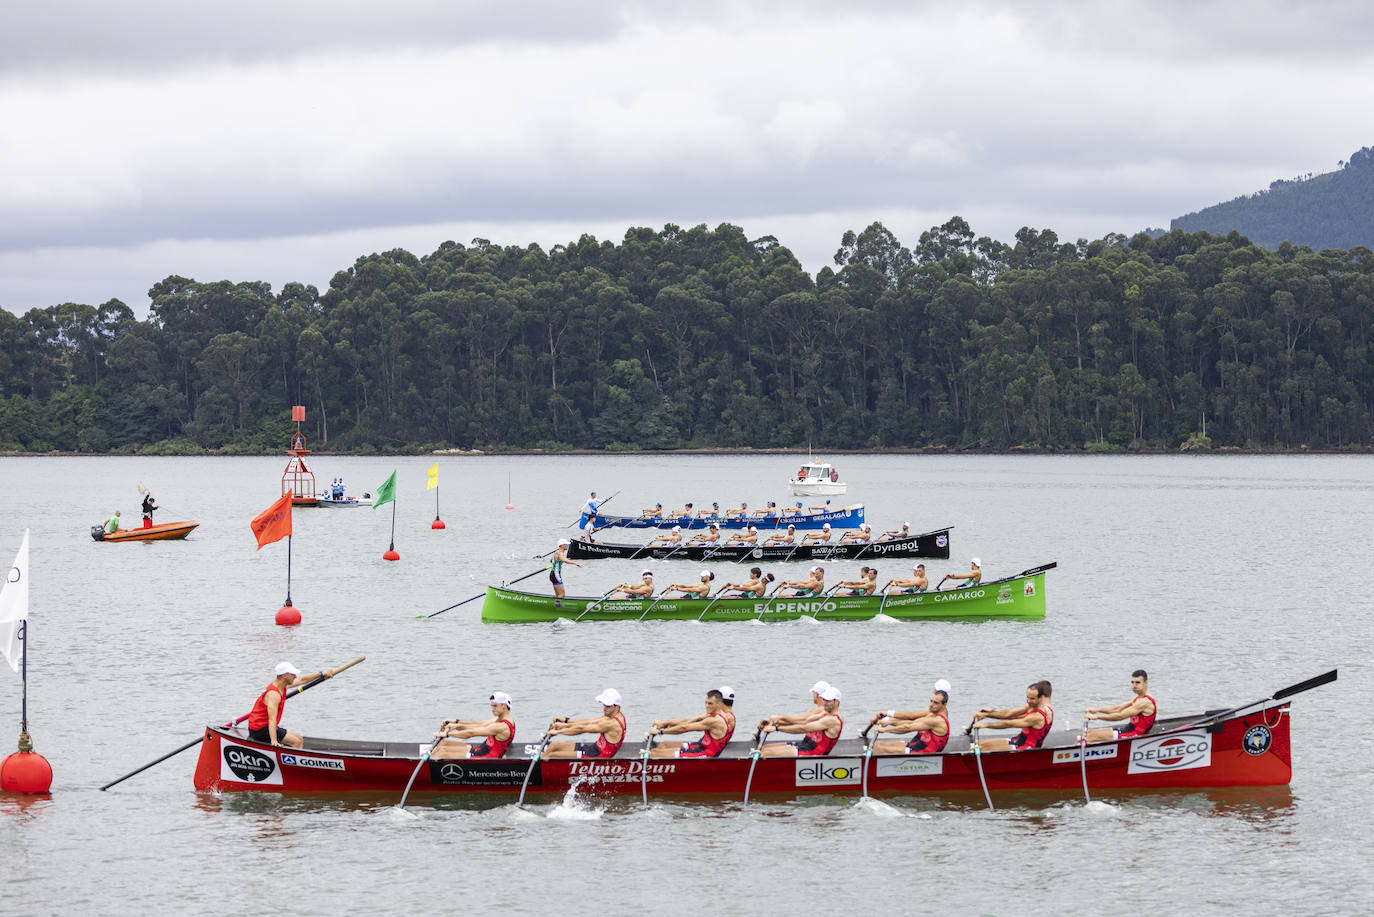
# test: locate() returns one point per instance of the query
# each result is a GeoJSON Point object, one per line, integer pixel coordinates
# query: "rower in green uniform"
{"type": "Point", "coordinates": [560, 557]}
{"type": "Point", "coordinates": [813, 586]}
{"type": "Point", "coordinates": [917, 582]}
{"type": "Point", "coordinates": [972, 578]}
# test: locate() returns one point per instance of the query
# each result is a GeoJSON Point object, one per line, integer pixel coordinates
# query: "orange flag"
{"type": "Point", "coordinates": [273, 523]}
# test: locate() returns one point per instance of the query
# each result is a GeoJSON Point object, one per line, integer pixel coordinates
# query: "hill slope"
{"type": "Point", "coordinates": [1331, 210]}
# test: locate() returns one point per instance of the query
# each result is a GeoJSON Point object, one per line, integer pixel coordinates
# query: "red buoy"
{"type": "Point", "coordinates": [437, 523]}
{"type": "Point", "coordinates": [391, 554]}
{"type": "Point", "coordinates": [25, 772]}
{"type": "Point", "coordinates": [510, 506]}
{"type": "Point", "coordinates": [288, 616]}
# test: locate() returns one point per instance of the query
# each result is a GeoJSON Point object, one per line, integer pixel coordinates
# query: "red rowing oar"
{"type": "Point", "coordinates": [292, 692]}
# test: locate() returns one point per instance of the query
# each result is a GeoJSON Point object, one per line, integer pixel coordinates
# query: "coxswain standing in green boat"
{"type": "Point", "coordinates": [917, 582]}
{"type": "Point", "coordinates": [813, 586]}
{"type": "Point", "coordinates": [756, 585]}
{"type": "Point", "coordinates": [931, 726]}
{"type": "Point", "coordinates": [640, 590]}
{"type": "Point", "coordinates": [112, 524]}
{"type": "Point", "coordinates": [972, 578]}
{"type": "Point", "coordinates": [1034, 720]}
{"type": "Point", "coordinates": [821, 732]}
{"type": "Point", "coordinates": [699, 590]}
{"type": "Point", "coordinates": [1140, 710]}
{"type": "Point", "coordinates": [609, 728]}
{"type": "Point", "coordinates": [265, 718]}
{"type": "Point", "coordinates": [560, 557]}
{"type": "Point", "coordinates": [499, 732]}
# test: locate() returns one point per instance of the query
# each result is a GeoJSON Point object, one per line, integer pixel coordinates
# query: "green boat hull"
{"type": "Point", "coordinates": [1017, 598]}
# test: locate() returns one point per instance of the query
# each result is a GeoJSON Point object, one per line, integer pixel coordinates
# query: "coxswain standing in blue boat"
{"type": "Point", "coordinates": [1034, 720]}
{"type": "Point", "coordinates": [1140, 710]}
{"type": "Point", "coordinates": [717, 725]}
{"type": "Point", "coordinates": [931, 726]}
{"type": "Point", "coordinates": [590, 507]}
{"type": "Point", "coordinates": [820, 732]}
{"type": "Point", "coordinates": [917, 582]}
{"type": "Point", "coordinates": [498, 732]}
{"type": "Point", "coordinates": [640, 590]}
{"type": "Point", "coordinates": [149, 507]}
{"type": "Point", "coordinates": [813, 586]}
{"type": "Point", "coordinates": [757, 584]}
{"type": "Point", "coordinates": [972, 578]}
{"type": "Point", "coordinates": [560, 557]}
{"type": "Point", "coordinates": [787, 537]}
{"type": "Point", "coordinates": [609, 728]}
{"type": "Point", "coordinates": [264, 721]}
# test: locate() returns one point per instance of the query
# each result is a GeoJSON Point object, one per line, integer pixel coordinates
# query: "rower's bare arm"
{"type": "Point", "coordinates": [1030, 720]}
{"type": "Point", "coordinates": [498, 730]}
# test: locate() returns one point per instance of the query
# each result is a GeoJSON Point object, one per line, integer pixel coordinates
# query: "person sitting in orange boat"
{"type": "Point", "coordinates": [717, 725]}
{"type": "Point", "coordinates": [821, 537]}
{"type": "Point", "coordinates": [609, 729]}
{"type": "Point", "coordinates": [700, 589]}
{"type": "Point", "coordinates": [112, 524]}
{"type": "Point", "coordinates": [1034, 720]}
{"type": "Point", "coordinates": [787, 537]}
{"type": "Point", "coordinates": [815, 585]}
{"type": "Point", "coordinates": [917, 582]}
{"type": "Point", "coordinates": [710, 536]}
{"type": "Point", "coordinates": [1140, 710]}
{"type": "Point", "coordinates": [757, 584]}
{"type": "Point", "coordinates": [866, 584]}
{"type": "Point", "coordinates": [640, 590]}
{"type": "Point", "coordinates": [972, 578]}
{"type": "Point", "coordinates": [821, 731]}
{"type": "Point", "coordinates": [931, 726]}
{"type": "Point", "coordinates": [903, 532]}
{"type": "Point", "coordinates": [265, 718]}
{"type": "Point", "coordinates": [499, 732]}
{"type": "Point", "coordinates": [672, 537]}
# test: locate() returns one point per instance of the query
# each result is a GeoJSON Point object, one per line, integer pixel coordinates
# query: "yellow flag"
{"type": "Point", "coordinates": [433, 477]}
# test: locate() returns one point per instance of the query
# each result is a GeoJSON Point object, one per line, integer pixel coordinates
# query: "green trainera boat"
{"type": "Point", "coordinates": [1016, 597]}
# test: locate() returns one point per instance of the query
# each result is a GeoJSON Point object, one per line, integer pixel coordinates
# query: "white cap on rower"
{"type": "Point", "coordinates": [826, 527]}
{"type": "Point", "coordinates": [942, 685]}
{"type": "Point", "coordinates": [815, 569]}
{"type": "Point", "coordinates": [820, 686]}
{"type": "Point", "coordinates": [501, 697]}
{"type": "Point", "coordinates": [830, 693]}
{"type": "Point", "coordinates": [563, 542]}
{"type": "Point", "coordinates": [753, 528]}
{"type": "Point", "coordinates": [906, 525]}
{"type": "Point", "coordinates": [705, 573]}
{"type": "Point", "coordinates": [286, 668]}
{"type": "Point", "coordinates": [647, 573]}
{"type": "Point", "coordinates": [976, 562]}
{"type": "Point", "coordinates": [677, 528]}
{"type": "Point", "coordinates": [726, 692]}
{"type": "Point", "coordinates": [865, 526]}
{"type": "Point", "coordinates": [609, 698]}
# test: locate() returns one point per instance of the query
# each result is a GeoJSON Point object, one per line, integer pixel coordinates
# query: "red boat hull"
{"type": "Point", "coordinates": [1249, 750]}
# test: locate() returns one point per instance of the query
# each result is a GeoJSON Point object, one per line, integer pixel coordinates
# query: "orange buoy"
{"type": "Point", "coordinates": [437, 523]}
{"type": "Point", "coordinates": [25, 772]}
{"type": "Point", "coordinates": [390, 554]}
{"type": "Point", "coordinates": [288, 615]}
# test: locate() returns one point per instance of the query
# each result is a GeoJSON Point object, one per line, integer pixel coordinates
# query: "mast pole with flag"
{"type": "Point", "coordinates": [434, 486]}
{"type": "Point", "coordinates": [387, 494]}
{"type": "Point", "coordinates": [274, 524]}
{"type": "Point", "coordinates": [25, 771]}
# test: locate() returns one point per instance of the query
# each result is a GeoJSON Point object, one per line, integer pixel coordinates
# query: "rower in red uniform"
{"type": "Point", "coordinates": [609, 729]}
{"type": "Point", "coordinates": [499, 732]}
{"type": "Point", "coordinates": [717, 725]}
{"type": "Point", "coordinates": [821, 732]}
{"type": "Point", "coordinates": [1140, 710]}
{"type": "Point", "coordinates": [931, 726]}
{"type": "Point", "coordinates": [265, 718]}
{"type": "Point", "coordinates": [1034, 720]}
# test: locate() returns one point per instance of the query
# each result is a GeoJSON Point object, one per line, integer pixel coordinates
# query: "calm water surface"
{"type": "Point", "coordinates": [1226, 577]}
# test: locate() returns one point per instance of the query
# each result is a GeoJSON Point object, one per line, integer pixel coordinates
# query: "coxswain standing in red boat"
{"type": "Point", "coordinates": [1034, 720]}
{"type": "Point", "coordinates": [609, 727]}
{"type": "Point", "coordinates": [499, 732]}
{"type": "Point", "coordinates": [1140, 710]}
{"type": "Point", "coordinates": [821, 732]}
{"type": "Point", "coordinates": [717, 725]}
{"type": "Point", "coordinates": [265, 718]}
{"type": "Point", "coordinates": [931, 726]}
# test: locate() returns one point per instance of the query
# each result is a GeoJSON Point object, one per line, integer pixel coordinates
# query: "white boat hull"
{"type": "Point", "coordinates": [810, 488]}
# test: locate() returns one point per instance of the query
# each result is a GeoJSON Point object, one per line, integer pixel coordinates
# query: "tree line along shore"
{"type": "Point", "coordinates": [704, 339]}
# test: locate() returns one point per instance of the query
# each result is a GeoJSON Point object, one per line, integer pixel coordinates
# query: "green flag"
{"type": "Point", "coordinates": [387, 492]}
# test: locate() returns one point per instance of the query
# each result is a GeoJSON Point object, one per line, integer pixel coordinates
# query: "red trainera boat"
{"type": "Point", "coordinates": [1243, 746]}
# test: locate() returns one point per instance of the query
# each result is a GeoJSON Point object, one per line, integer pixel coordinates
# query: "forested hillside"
{"type": "Point", "coordinates": [1331, 210]}
{"type": "Point", "coordinates": [700, 337]}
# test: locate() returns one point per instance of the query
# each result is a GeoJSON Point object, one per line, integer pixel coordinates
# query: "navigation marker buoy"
{"type": "Point", "coordinates": [437, 523]}
{"type": "Point", "coordinates": [509, 504]}
{"type": "Point", "coordinates": [390, 553]}
{"type": "Point", "coordinates": [25, 771]}
{"type": "Point", "coordinates": [288, 615]}
{"type": "Point", "coordinates": [434, 486]}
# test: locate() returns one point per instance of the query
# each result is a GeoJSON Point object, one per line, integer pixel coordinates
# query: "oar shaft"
{"type": "Point", "coordinates": [482, 593]}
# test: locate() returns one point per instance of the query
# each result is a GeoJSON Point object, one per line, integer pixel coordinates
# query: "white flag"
{"type": "Point", "coordinates": [14, 604]}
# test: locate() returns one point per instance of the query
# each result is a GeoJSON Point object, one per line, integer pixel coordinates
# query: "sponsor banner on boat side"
{"type": "Point", "coordinates": [594, 548]}
{"type": "Point", "coordinates": [941, 541]}
{"type": "Point", "coordinates": [960, 595]}
{"type": "Point", "coordinates": [321, 764]}
{"type": "Point", "coordinates": [829, 771]}
{"type": "Point", "coordinates": [1030, 588]}
{"type": "Point", "coordinates": [1004, 596]}
{"type": "Point", "coordinates": [804, 607]}
{"type": "Point", "coordinates": [913, 766]}
{"type": "Point", "coordinates": [470, 772]}
{"type": "Point", "coordinates": [594, 772]}
{"type": "Point", "coordinates": [1257, 740]}
{"type": "Point", "coordinates": [880, 548]}
{"type": "Point", "coordinates": [247, 765]}
{"type": "Point", "coordinates": [1179, 751]}
{"type": "Point", "coordinates": [1068, 755]}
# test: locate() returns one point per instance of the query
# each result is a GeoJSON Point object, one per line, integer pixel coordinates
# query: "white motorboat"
{"type": "Point", "coordinates": [817, 479]}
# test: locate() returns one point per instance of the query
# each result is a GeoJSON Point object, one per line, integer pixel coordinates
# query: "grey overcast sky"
{"type": "Point", "coordinates": [279, 140]}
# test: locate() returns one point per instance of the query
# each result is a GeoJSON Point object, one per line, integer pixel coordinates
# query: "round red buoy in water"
{"type": "Point", "coordinates": [288, 616]}
{"type": "Point", "coordinates": [391, 554]}
{"type": "Point", "coordinates": [437, 523]}
{"type": "Point", "coordinates": [25, 772]}
{"type": "Point", "coordinates": [510, 506]}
